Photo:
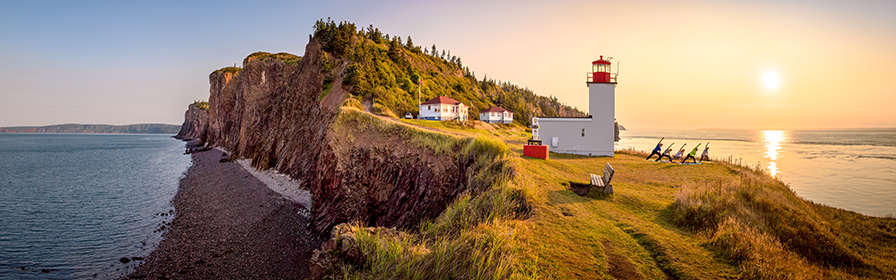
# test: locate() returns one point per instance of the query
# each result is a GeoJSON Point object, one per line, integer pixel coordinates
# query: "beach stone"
{"type": "Point", "coordinates": [340, 229]}
{"type": "Point", "coordinates": [124, 260]}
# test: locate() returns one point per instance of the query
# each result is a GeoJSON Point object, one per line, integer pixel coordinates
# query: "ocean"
{"type": "Point", "coordinates": [849, 169]}
{"type": "Point", "coordinates": [73, 205]}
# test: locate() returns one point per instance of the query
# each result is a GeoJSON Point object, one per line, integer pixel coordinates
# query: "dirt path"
{"type": "Point", "coordinates": [418, 126]}
{"type": "Point", "coordinates": [230, 225]}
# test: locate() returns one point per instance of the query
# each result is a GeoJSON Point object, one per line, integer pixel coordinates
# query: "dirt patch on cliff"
{"type": "Point", "coordinates": [618, 266]}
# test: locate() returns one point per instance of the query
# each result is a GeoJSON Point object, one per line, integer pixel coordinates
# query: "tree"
{"type": "Point", "coordinates": [410, 43]}
{"type": "Point", "coordinates": [394, 45]}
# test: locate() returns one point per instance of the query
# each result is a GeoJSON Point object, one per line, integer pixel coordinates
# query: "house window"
{"type": "Point", "coordinates": [429, 107]}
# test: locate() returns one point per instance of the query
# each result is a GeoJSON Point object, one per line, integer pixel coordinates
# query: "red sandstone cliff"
{"type": "Point", "coordinates": [357, 167]}
{"type": "Point", "coordinates": [195, 123]}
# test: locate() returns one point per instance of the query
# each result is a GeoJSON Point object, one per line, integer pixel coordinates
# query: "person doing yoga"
{"type": "Point", "coordinates": [692, 154]}
{"type": "Point", "coordinates": [666, 153]}
{"type": "Point", "coordinates": [658, 149]}
{"type": "Point", "coordinates": [680, 152]}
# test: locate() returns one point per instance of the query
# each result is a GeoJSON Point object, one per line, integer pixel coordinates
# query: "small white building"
{"type": "Point", "coordinates": [592, 135]}
{"type": "Point", "coordinates": [443, 109]}
{"type": "Point", "coordinates": [496, 115]}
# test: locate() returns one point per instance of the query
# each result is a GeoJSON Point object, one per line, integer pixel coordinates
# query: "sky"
{"type": "Point", "coordinates": [682, 64]}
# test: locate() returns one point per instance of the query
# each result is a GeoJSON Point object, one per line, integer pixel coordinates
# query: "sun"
{"type": "Point", "coordinates": [771, 80]}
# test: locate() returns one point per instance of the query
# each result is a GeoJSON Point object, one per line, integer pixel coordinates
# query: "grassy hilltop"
{"type": "Point", "coordinates": [710, 221]}
{"type": "Point", "coordinates": [385, 73]}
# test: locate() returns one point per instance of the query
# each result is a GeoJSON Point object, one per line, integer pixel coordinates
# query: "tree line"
{"type": "Point", "coordinates": [388, 71]}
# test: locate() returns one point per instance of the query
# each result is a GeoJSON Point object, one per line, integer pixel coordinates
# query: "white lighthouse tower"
{"type": "Point", "coordinates": [592, 135]}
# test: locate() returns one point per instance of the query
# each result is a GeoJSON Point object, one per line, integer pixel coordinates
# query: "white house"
{"type": "Point", "coordinates": [496, 115]}
{"type": "Point", "coordinates": [443, 109]}
{"type": "Point", "coordinates": [592, 135]}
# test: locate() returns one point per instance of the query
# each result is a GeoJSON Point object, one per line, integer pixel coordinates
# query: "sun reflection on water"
{"type": "Point", "coordinates": [773, 140]}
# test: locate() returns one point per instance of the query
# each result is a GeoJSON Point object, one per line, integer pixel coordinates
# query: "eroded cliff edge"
{"type": "Point", "coordinates": [195, 123]}
{"type": "Point", "coordinates": [358, 167]}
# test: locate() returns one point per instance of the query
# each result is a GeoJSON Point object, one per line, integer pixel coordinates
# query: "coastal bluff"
{"type": "Point", "coordinates": [277, 111]}
{"type": "Point", "coordinates": [195, 123]}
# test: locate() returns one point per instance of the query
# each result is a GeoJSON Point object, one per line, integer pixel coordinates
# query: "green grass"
{"type": "Point", "coordinates": [231, 70]}
{"type": "Point", "coordinates": [201, 105]}
{"type": "Point", "coordinates": [393, 73]}
{"type": "Point", "coordinates": [713, 221]}
{"type": "Point", "coordinates": [288, 58]}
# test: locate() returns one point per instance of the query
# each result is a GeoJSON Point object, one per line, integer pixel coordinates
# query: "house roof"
{"type": "Point", "coordinates": [442, 100]}
{"type": "Point", "coordinates": [494, 109]}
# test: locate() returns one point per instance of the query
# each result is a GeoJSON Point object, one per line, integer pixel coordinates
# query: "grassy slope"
{"type": "Point", "coordinates": [629, 221]}
{"type": "Point", "coordinates": [652, 227]}
{"type": "Point", "coordinates": [570, 235]}
{"type": "Point", "coordinates": [389, 73]}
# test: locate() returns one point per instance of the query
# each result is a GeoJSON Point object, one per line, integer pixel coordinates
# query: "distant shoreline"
{"type": "Point", "coordinates": [145, 128]}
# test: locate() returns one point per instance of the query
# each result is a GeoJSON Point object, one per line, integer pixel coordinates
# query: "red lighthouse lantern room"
{"type": "Point", "coordinates": [600, 71]}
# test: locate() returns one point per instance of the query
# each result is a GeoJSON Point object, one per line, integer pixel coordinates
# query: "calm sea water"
{"type": "Point", "coordinates": [849, 169]}
{"type": "Point", "coordinates": [72, 205]}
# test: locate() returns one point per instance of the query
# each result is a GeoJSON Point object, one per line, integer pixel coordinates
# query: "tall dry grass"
{"type": "Point", "coordinates": [763, 227]}
{"type": "Point", "coordinates": [472, 239]}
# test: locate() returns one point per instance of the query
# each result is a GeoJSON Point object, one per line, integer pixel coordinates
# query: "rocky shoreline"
{"type": "Point", "coordinates": [230, 225]}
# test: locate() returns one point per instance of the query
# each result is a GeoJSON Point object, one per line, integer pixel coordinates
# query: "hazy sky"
{"type": "Point", "coordinates": [683, 64]}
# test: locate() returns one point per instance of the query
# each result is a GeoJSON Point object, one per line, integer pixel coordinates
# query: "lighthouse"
{"type": "Point", "coordinates": [592, 135]}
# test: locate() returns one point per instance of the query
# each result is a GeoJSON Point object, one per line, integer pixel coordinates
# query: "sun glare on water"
{"type": "Point", "coordinates": [771, 80]}
{"type": "Point", "coordinates": [773, 140]}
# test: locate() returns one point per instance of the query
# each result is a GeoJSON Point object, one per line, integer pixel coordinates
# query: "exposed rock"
{"type": "Point", "coordinates": [273, 113]}
{"type": "Point", "coordinates": [616, 132]}
{"type": "Point", "coordinates": [195, 124]}
{"type": "Point", "coordinates": [124, 260]}
{"type": "Point", "coordinates": [343, 249]}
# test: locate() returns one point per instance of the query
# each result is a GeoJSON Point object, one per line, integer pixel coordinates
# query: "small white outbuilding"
{"type": "Point", "coordinates": [496, 115]}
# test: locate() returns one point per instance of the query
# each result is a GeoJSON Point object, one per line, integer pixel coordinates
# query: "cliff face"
{"type": "Point", "coordinates": [195, 124]}
{"type": "Point", "coordinates": [357, 166]}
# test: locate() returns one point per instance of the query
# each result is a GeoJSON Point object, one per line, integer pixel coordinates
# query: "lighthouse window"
{"type": "Point", "coordinates": [583, 132]}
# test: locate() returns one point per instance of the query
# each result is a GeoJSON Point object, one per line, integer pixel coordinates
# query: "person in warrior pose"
{"type": "Point", "coordinates": [680, 152]}
{"type": "Point", "coordinates": [692, 154]}
{"type": "Point", "coordinates": [705, 155]}
{"type": "Point", "coordinates": [666, 153]}
{"type": "Point", "coordinates": [658, 149]}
